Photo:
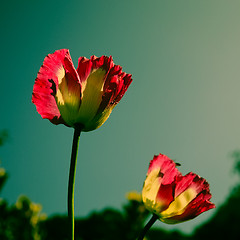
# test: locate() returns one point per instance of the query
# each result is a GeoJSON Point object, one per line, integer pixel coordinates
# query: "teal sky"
{"type": "Point", "coordinates": [183, 102]}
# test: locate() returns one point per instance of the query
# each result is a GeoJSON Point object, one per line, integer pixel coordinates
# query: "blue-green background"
{"type": "Point", "coordinates": [184, 56]}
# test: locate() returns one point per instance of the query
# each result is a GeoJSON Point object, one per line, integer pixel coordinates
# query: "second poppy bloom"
{"type": "Point", "coordinates": [174, 198]}
{"type": "Point", "coordinates": [82, 97]}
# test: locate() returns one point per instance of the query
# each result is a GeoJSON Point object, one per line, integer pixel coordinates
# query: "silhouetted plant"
{"type": "Point", "coordinates": [103, 225]}
{"type": "Point", "coordinates": [18, 221]}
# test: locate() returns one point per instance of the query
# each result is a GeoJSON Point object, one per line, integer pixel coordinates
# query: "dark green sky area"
{"type": "Point", "coordinates": [183, 102]}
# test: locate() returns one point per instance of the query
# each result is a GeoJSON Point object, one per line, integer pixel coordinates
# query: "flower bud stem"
{"type": "Point", "coordinates": [148, 226]}
{"type": "Point", "coordinates": [71, 181]}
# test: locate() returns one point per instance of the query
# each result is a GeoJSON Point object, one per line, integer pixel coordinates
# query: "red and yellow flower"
{"type": "Point", "coordinates": [82, 97]}
{"type": "Point", "coordinates": [174, 198]}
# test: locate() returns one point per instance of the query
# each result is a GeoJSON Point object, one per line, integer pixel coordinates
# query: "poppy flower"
{"type": "Point", "coordinates": [172, 197]}
{"type": "Point", "coordinates": [82, 97]}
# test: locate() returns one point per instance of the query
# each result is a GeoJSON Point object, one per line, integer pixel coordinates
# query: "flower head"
{"type": "Point", "coordinates": [172, 197]}
{"type": "Point", "coordinates": [82, 97]}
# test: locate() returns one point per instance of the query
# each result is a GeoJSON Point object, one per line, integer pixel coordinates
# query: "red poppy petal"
{"type": "Point", "coordinates": [46, 84]}
{"type": "Point", "coordinates": [102, 62]}
{"type": "Point", "coordinates": [199, 205]}
{"type": "Point", "coordinates": [114, 80]}
{"type": "Point", "coordinates": [84, 68]}
{"type": "Point", "coordinates": [191, 180]}
{"type": "Point", "coordinates": [167, 168]}
{"type": "Point", "coordinates": [165, 194]}
{"type": "Point", "coordinates": [44, 88]}
{"type": "Point", "coordinates": [73, 80]}
{"type": "Point", "coordinates": [127, 81]}
{"type": "Point", "coordinates": [117, 83]}
{"type": "Point", "coordinates": [112, 85]}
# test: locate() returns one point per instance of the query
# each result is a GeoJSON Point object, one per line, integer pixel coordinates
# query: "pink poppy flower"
{"type": "Point", "coordinates": [172, 197]}
{"type": "Point", "coordinates": [82, 97]}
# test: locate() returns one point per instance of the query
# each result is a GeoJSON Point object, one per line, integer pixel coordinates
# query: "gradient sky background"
{"type": "Point", "coordinates": [183, 102]}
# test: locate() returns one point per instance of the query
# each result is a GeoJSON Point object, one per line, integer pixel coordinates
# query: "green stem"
{"type": "Point", "coordinates": [148, 226]}
{"type": "Point", "coordinates": [71, 182]}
